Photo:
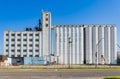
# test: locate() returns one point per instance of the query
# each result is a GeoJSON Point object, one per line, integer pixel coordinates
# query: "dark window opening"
{"type": "Point", "coordinates": [24, 50]}
{"type": "Point", "coordinates": [7, 40]}
{"type": "Point", "coordinates": [12, 39]}
{"type": "Point", "coordinates": [7, 34]}
{"type": "Point", "coordinates": [13, 34]}
{"type": "Point", "coordinates": [18, 34]}
{"type": "Point", "coordinates": [24, 34]}
{"type": "Point", "coordinates": [18, 40]}
{"type": "Point", "coordinates": [24, 45]}
{"type": "Point", "coordinates": [46, 25]}
{"type": "Point", "coordinates": [36, 34]}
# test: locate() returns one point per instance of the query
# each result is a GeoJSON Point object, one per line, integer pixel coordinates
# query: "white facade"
{"type": "Point", "coordinates": [94, 43]}
{"type": "Point", "coordinates": [113, 45]}
{"type": "Point", "coordinates": [100, 44]}
{"type": "Point", "coordinates": [107, 46]}
{"type": "Point", "coordinates": [69, 53]}
{"type": "Point", "coordinates": [91, 44]}
{"type": "Point", "coordinates": [88, 45]}
{"type": "Point", "coordinates": [74, 44]}
{"type": "Point", "coordinates": [22, 44]}
{"type": "Point", "coordinates": [46, 33]}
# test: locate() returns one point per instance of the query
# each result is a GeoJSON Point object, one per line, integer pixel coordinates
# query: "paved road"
{"type": "Point", "coordinates": [53, 74]}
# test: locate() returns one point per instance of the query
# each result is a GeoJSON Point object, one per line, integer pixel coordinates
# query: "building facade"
{"type": "Point", "coordinates": [90, 44]}
{"type": "Point", "coordinates": [23, 44]}
{"type": "Point", "coordinates": [29, 43]}
{"type": "Point", "coordinates": [73, 44]}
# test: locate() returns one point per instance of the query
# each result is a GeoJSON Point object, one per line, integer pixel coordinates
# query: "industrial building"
{"type": "Point", "coordinates": [85, 44]}
{"type": "Point", "coordinates": [31, 43]}
{"type": "Point", "coordinates": [73, 44]}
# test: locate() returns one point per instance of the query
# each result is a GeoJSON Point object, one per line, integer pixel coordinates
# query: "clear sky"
{"type": "Point", "coordinates": [18, 14]}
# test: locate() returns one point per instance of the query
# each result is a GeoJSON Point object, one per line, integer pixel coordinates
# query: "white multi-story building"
{"type": "Point", "coordinates": [23, 44]}
{"type": "Point", "coordinates": [29, 43]}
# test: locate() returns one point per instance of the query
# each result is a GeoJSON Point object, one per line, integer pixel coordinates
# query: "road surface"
{"type": "Point", "coordinates": [57, 74]}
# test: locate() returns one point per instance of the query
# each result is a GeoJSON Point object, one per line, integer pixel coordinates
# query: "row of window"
{"type": "Point", "coordinates": [24, 56]}
{"type": "Point", "coordinates": [23, 34]}
{"type": "Point", "coordinates": [13, 45]}
{"type": "Point", "coordinates": [23, 40]}
{"type": "Point", "coordinates": [23, 50]}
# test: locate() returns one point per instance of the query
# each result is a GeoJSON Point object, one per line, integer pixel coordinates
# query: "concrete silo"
{"type": "Point", "coordinates": [81, 44]}
{"type": "Point", "coordinates": [88, 40]}
{"type": "Point", "coordinates": [113, 34]}
{"type": "Point", "coordinates": [107, 45]}
{"type": "Point", "coordinates": [100, 44]}
{"type": "Point", "coordinates": [94, 43]}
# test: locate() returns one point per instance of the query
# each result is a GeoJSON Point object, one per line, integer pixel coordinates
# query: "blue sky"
{"type": "Point", "coordinates": [18, 14]}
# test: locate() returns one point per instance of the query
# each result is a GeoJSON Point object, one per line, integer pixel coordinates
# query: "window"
{"type": "Point", "coordinates": [12, 39]}
{"type": "Point", "coordinates": [47, 14]}
{"type": "Point", "coordinates": [12, 56]}
{"type": "Point", "coordinates": [24, 39]}
{"type": "Point", "coordinates": [18, 34]}
{"type": "Point", "coordinates": [30, 34]}
{"type": "Point", "coordinates": [30, 55]}
{"type": "Point", "coordinates": [7, 34]}
{"type": "Point", "coordinates": [24, 56]}
{"type": "Point", "coordinates": [46, 19]}
{"type": "Point", "coordinates": [13, 45]}
{"type": "Point", "coordinates": [37, 40]}
{"type": "Point", "coordinates": [7, 45]}
{"type": "Point", "coordinates": [18, 50]}
{"type": "Point", "coordinates": [25, 45]}
{"type": "Point", "coordinates": [7, 39]}
{"type": "Point", "coordinates": [18, 40]}
{"type": "Point", "coordinates": [36, 34]}
{"type": "Point", "coordinates": [7, 50]}
{"type": "Point", "coordinates": [24, 50]}
{"type": "Point", "coordinates": [12, 50]}
{"type": "Point", "coordinates": [30, 45]}
{"type": "Point", "coordinates": [24, 34]}
{"type": "Point", "coordinates": [18, 45]}
{"type": "Point", "coordinates": [30, 51]}
{"type": "Point", "coordinates": [37, 45]}
{"type": "Point", "coordinates": [30, 39]}
{"type": "Point", "coordinates": [46, 25]}
{"type": "Point", "coordinates": [36, 50]}
{"type": "Point", "coordinates": [13, 34]}
{"type": "Point", "coordinates": [36, 55]}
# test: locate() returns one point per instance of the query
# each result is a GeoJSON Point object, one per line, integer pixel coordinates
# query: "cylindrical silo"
{"type": "Point", "coordinates": [94, 43]}
{"type": "Point", "coordinates": [66, 45]}
{"type": "Point", "coordinates": [61, 45]}
{"type": "Point", "coordinates": [100, 44]}
{"type": "Point", "coordinates": [88, 45]}
{"type": "Point", "coordinates": [57, 46]}
{"type": "Point", "coordinates": [80, 38]}
{"type": "Point", "coordinates": [77, 45]}
{"type": "Point", "coordinates": [113, 45]}
{"type": "Point", "coordinates": [69, 45]}
{"type": "Point", "coordinates": [73, 46]}
{"type": "Point", "coordinates": [107, 44]}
